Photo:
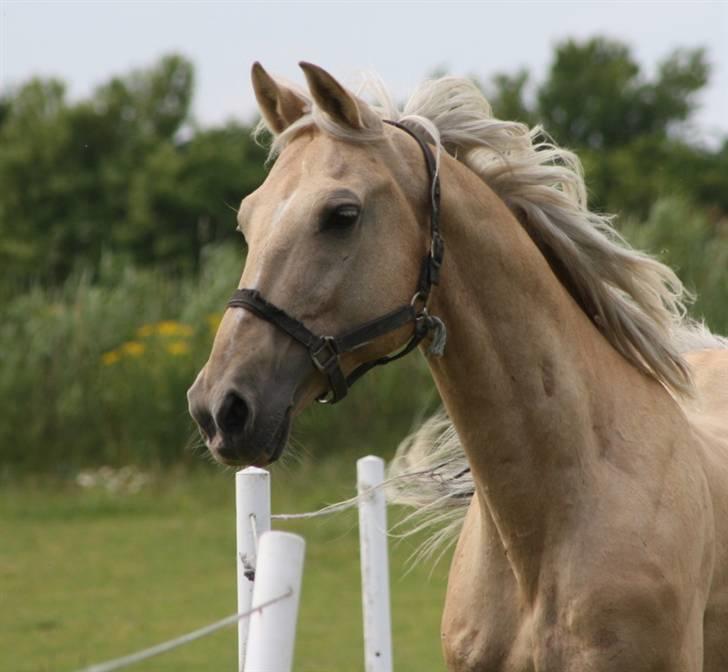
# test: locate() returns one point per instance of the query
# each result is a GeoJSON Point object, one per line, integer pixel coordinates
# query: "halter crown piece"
{"type": "Point", "coordinates": [325, 351]}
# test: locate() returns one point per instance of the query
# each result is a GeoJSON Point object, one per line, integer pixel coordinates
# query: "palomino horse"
{"type": "Point", "coordinates": [597, 535]}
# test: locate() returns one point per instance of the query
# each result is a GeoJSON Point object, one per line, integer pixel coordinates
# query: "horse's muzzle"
{"type": "Point", "coordinates": [238, 429]}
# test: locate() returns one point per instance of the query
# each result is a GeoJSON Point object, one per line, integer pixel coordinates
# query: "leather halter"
{"type": "Point", "coordinates": [325, 351]}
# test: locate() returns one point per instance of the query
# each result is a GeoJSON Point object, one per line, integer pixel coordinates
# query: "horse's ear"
{"type": "Point", "coordinates": [279, 105]}
{"type": "Point", "coordinates": [343, 107]}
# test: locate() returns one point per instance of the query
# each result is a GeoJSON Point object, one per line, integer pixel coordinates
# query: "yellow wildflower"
{"type": "Point", "coordinates": [110, 358]}
{"type": "Point", "coordinates": [164, 328]}
{"type": "Point", "coordinates": [178, 348]}
{"type": "Point", "coordinates": [133, 348]}
{"type": "Point", "coordinates": [146, 331]}
{"type": "Point", "coordinates": [172, 328]}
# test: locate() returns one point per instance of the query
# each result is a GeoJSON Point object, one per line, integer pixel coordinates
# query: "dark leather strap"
{"type": "Point", "coordinates": [325, 351]}
{"type": "Point", "coordinates": [370, 331]}
{"type": "Point", "coordinates": [430, 274]}
{"type": "Point", "coordinates": [253, 300]}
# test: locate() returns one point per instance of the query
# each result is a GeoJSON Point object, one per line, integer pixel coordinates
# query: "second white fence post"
{"type": "Point", "coordinates": [374, 565]}
{"type": "Point", "coordinates": [272, 635]}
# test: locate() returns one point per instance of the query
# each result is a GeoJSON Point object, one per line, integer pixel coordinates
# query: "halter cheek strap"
{"type": "Point", "coordinates": [325, 351]}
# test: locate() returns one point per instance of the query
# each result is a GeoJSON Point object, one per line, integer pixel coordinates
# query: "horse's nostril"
{"type": "Point", "coordinates": [232, 415]}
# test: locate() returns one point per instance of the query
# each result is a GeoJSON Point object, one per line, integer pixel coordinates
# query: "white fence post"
{"type": "Point", "coordinates": [374, 565]}
{"type": "Point", "coordinates": [252, 508]}
{"type": "Point", "coordinates": [272, 633]}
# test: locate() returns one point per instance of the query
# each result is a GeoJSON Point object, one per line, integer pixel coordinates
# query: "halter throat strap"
{"type": "Point", "coordinates": [325, 351]}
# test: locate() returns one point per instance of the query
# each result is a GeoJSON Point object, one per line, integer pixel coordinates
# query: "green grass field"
{"type": "Point", "coordinates": [87, 575]}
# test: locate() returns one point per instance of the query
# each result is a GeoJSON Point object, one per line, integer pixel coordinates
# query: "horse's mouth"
{"type": "Point", "coordinates": [259, 448]}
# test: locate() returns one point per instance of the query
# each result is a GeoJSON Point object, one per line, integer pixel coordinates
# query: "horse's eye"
{"type": "Point", "coordinates": [341, 217]}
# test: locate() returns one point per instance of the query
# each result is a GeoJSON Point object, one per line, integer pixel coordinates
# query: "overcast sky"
{"type": "Point", "coordinates": [85, 43]}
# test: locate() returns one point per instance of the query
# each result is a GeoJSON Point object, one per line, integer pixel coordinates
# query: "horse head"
{"type": "Point", "coordinates": [335, 241]}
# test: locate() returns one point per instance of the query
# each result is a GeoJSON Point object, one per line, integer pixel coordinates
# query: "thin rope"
{"type": "Point", "coordinates": [326, 511]}
{"type": "Point", "coordinates": [353, 501]}
{"type": "Point", "coordinates": [125, 661]}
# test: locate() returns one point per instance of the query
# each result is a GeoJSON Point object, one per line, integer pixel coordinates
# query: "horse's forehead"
{"type": "Point", "coordinates": [324, 158]}
{"type": "Point", "coordinates": [312, 166]}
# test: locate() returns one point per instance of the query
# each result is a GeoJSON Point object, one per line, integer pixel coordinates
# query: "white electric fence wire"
{"type": "Point", "coordinates": [326, 511]}
{"type": "Point", "coordinates": [126, 661]}
{"type": "Point", "coordinates": [353, 501]}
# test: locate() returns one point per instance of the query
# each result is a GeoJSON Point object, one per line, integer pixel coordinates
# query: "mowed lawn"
{"type": "Point", "coordinates": [87, 575]}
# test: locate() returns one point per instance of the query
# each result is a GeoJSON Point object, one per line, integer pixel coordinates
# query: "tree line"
{"type": "Point", "coordinates": [127, 170]}
{"type": "Point", "coordinates": [124, 171]}
{"type": "Point", "coordinates": [634, 133]}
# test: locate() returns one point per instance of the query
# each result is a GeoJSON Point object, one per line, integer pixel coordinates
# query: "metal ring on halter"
{"type": "Point", "coordinates": [328, 397]}
{"type": "Point", "coordinates": [420, 297]}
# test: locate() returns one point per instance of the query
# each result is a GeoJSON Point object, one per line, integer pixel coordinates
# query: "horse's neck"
{"type": "Point", "coordinates": [523, 373]}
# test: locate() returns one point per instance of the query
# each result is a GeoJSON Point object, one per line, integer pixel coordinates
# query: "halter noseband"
{"type": "Point", "coordinates": [325, 351]}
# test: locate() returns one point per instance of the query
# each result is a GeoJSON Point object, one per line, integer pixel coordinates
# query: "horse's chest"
{"type": "Point", "coordinates": [473, 648]}
{"type": "Point", "coordinates": [504, 639]}
{"type": "Point", "coordinates": [483, 626]}
{"type": "Point", "coordinates": [486, 626]}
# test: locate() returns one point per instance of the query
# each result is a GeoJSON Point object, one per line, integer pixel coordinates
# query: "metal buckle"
{"type": "Point", "coordinates": [332, 354]}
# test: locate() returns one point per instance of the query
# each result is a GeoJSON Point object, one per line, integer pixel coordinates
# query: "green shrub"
{"type": "Point", "coordinates": [684, 238]}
